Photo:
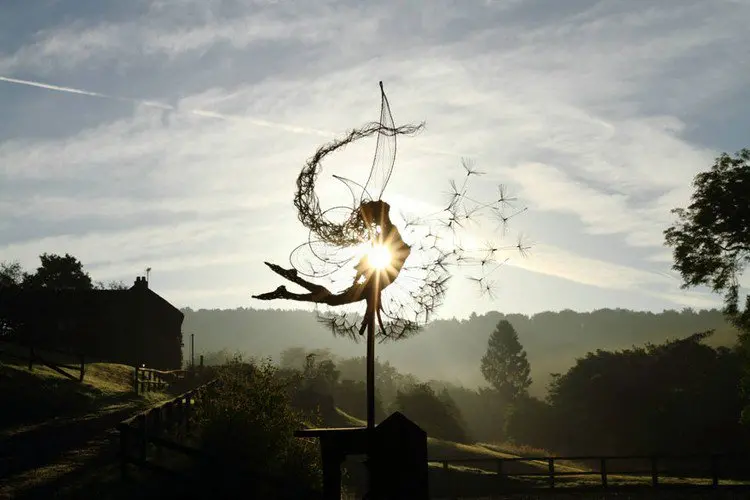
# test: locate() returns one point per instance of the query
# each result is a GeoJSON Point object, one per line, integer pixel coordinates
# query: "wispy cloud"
{"type": "Point", "coordinates": [591, 112]}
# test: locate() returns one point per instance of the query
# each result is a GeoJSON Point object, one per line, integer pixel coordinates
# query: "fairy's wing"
{"type": "Point", "coordinates": [385, 153]}
{"type": "Point", "coordinates": [318, 259]}
{"type": "Point", "coordinates": [356, 189]}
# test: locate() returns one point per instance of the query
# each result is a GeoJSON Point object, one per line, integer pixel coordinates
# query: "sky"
{"type": "Point", "coordinates": [169, 134]}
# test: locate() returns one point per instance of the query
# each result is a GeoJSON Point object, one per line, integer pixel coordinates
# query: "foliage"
{"type": "Point", "coordinates": [217, 358]}
{"type": "Point", "coordinates": [62, 272]}
{"type": "Point", "coordinates": [504, 365]}
{"type": "Point", "coordinates": [322, 376]}
{"type": "Point", "coordinates": [111, 285]}
{"type": "Point", "coordinates": [351, 397]}
{"type": "Point", "coordinates": [680, 396]}
{"type": "Point", "coordinates": [528, 421]}
{"type": "Point", "coordinates": [248, 422]}
{"type": "Point", "coordinates": [388, 380]}
{"type": "Point", "coordinates": [438, 416]}
{"type": "Point", "coordinates": [296, 357]}
{"type": "Point", "coordinates": [11, 274]}
{"type": "Point", "coordinates": [452, 348]}
{"type": "Point", "coordinates": [481, 409]}
{"type": "Point", "coordinates": [711, 238]}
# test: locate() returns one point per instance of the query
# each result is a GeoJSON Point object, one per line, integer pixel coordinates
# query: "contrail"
{"type": "Point", "coordinates": [168, 107]}
{"type": "Point", "coordinates": [199, 112]}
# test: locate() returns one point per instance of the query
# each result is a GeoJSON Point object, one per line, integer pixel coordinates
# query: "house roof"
{"type": "Point", "coordinates": [75, 300]}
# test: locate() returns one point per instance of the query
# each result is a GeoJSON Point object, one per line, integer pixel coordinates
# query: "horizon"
{"type": "Point", "coordinates": [154, 135]}
{"type": "Point", "coordinates": [490, 311]}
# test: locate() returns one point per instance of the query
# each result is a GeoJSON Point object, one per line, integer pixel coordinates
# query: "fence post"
{"type": "Point", "coordinates": [158, 427]}
{"type": "Point", "coordinates": [135, 379]}
{"type": "Point", "coordinates": [188, 411]}
{"type": "Point", "coordinates": [715, 471]}
{"type": "Point", "coordinates": [603, 470]}
{"type": "Point", "coordinates": [83, 367]}
{"type": "Point", "coordinates": [655, 471]}
{"type": "Point", "coordinates": [143, 444]}
{"type": "Point", "coordinates": [551, 468]}
{"type": "Point", "coordinates": [124, 442]}
{"type": "Point", "coordinates": [31, 358]}
{"type": "Point", "coordinates": [449, 485]}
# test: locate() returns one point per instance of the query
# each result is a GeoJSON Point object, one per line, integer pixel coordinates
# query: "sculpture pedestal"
{"type": "Point", "coordinates": [396, 452]}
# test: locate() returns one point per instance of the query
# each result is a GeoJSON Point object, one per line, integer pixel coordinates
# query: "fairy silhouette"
{"type": "Point", "coordinates": [364, 249]}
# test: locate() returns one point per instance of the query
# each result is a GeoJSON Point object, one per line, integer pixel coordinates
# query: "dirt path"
{"type": "Point", "coordinates": [42, 453]}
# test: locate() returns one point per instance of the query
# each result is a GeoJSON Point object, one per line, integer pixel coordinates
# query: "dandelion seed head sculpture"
{"type": "Point", "coordinates": [402, 284]}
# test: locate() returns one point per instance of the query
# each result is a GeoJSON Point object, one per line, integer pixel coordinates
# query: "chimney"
{"type": "Point", "coordinates": [140, 283]}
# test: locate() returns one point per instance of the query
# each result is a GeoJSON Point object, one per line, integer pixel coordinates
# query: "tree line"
{"type": "Point", "coordinates": [55, 271]}
{"type": "Point", "coordinates": [680, 396]}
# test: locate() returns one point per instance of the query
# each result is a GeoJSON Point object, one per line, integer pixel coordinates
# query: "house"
{"type": "Point", "coordinates": [135, 326]}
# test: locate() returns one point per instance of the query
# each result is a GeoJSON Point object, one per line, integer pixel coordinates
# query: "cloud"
{"type": "Point", "coordinates": [156, 34]}
{"type": "Point", "coordinates": [584, 109]}
{"type": "Point", "coordinates": [554, 261]}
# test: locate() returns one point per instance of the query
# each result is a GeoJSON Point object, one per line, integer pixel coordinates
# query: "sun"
{"type": "Point", "coordinates": [379, 257]}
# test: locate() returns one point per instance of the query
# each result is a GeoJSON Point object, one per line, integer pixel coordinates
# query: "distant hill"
{"type": "Point", "coordinates": [451, 349]}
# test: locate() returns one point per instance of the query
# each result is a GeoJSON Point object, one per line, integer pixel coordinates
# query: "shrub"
{"type": "Point", "coordinates": [247, 425]}
{"type": "Point", "coordinates": [438, 417]}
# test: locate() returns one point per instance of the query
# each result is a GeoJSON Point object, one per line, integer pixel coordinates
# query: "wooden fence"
{"type": "Point", "coordinates": [154, 427]}
{"type": "Point", "coordinates": [150, 379]}
{"type": "Point", "coordinates": [726, 471]}
{"type": "Point", "coordinates": [42, 355]}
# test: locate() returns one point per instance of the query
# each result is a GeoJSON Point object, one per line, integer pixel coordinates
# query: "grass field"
{"type": "Point", "coordinates": [52, 428]}
{"type": "Point", "coordinates": [472, 469]}
{"type": "Point", "coordinates": [38, 396]}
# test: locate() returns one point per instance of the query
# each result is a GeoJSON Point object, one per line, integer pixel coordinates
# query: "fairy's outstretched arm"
{"type": "Point", "coordinates": [316, 293]}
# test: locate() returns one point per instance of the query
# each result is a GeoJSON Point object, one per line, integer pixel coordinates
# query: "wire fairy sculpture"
{"type": "Point", "coordinates": [411, 281]}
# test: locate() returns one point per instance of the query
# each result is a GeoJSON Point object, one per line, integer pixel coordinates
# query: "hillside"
{"type": "Point", "coordinates": [42, 395]}
{"type": "Point", "coordinates": [451, 349]}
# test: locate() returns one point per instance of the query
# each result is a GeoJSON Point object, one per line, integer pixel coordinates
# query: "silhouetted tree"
{"type": "Point", "coordinates": [350, 397]}
{"type": "Point", "coordinates": [711, 238]}
{"type": "Point", "coordinates": [322, 376]}
{"type": "Point", "coordinates": [481, 410]}
{"type": "Point", "coordinates": [111, 285]}
{"type": "Point", "coordinates": [436, 416]}
{"type": "Point", "coordinates": [529, 421]}
{"type": "Point", "coordinates": [11, 274]}
{"type": "Point", "coordinates": [61, 272]}
{"type": "Point", "coordinates": [504, 365]}
{"type": "Point", "coordinates": [677, 397]}
{"type": "Point", "coordinates": [296, 357]}
{"type": "Point", "coordinates": [217, 358]}
{"type": "Point", "coordinates": [388, 379]}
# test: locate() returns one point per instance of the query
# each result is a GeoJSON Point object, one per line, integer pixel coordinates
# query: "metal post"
{"type": "Point", "coordinates": [371, 374]}
{"type": "Point", "coordinates": [192, 351]}
{"type": "Point", "coordinates": [371, 479]}
{"type": "Point", "coordinates": [371, 361]}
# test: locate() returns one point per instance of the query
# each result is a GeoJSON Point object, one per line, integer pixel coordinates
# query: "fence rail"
{"type": "Point", "coordinates": [150, 379]}
{"type": "Point", "coordinates": [153, 428]}
{"type": "Point", "coordinates": [31, 354]}
{"type": "Point", "coordinates": [726, 471]}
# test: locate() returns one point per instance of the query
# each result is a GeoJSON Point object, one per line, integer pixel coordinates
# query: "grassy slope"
{"type": "Point", "coordinates": [481, 464]}
{"type": "Point", "coordinates": [42, 402]}
{"type": "Point", "coordinates": [41, 395]}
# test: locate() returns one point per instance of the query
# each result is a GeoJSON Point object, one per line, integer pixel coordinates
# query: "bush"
{"type": "Point", "coordinates": [528, 421]}
{"type": "Point", "coordinates": [351, 397]}
{"type": "Point", "coordinates": [439, 417]}
{"type": "Point", "coordinates": [247, 426]}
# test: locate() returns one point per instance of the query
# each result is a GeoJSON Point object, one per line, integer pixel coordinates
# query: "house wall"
{"type": "Point", "coordinates": [133, 327]}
